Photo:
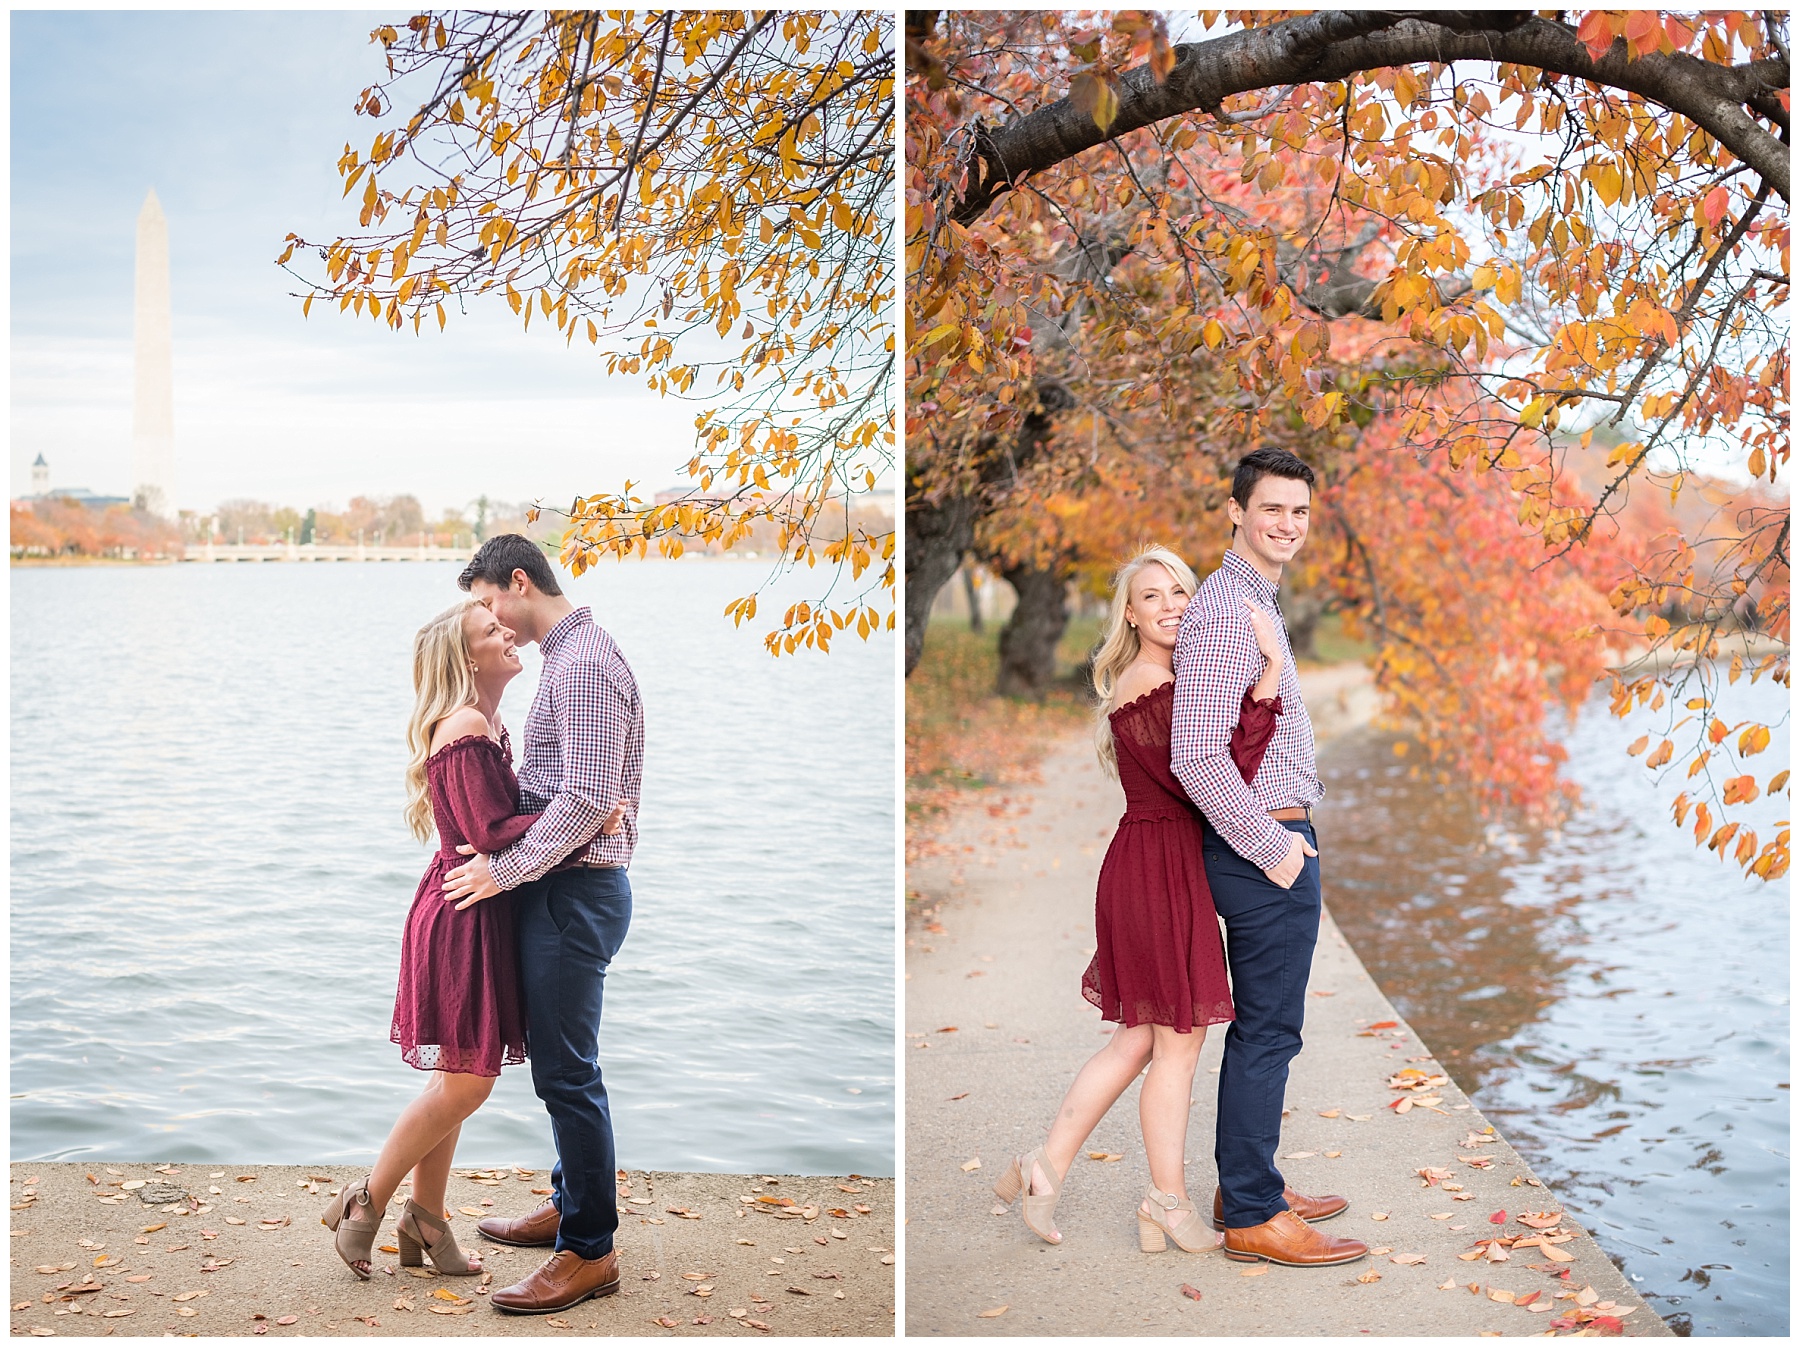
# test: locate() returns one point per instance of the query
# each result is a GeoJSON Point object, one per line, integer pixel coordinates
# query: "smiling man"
{"type": "Point", "coordinates": [1261, 860]}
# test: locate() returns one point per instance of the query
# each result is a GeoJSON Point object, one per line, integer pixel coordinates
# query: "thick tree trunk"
{"type": "Point", "coordinates": [939, 532]}
{"type": "Point", "coordinates": [938, 535]}
{"type": "Point", "coordinates": [1301, 613]}
{"type": "Point", "coordinates": [1331, 45]}
{"type": "Point", "coordinates": [1028, 640]}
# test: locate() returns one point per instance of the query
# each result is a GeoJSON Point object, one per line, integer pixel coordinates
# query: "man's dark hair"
{"type": "Point", "coordinates": [497, 558]}
{"type": "Point", "coordinates": [1268, 462]}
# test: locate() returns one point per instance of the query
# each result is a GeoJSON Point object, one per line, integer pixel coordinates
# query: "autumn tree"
{"type": "Point", "coordinates": [1500, 275]}
{"type": "Point", "coordinates": [705, 198]}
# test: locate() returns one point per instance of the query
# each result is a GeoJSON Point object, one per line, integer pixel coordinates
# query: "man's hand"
{"type": "Point", "coordinates": [1290, 865]}
{"type": "Point", "coordinates": [474, 881]}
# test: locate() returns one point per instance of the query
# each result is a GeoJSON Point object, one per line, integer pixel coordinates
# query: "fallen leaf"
{"type": "Point", "coordinates": [1378, 1216]}
{"type": "Point", "coordinates": [1328, 1112]}
{"type": "Point", "coordinates": [452, 1309]}
{"type": "Point", "coordinates": [1189, 1292]}
{"type": "Point", "coordinates": [234, 1220]}
{"type": "Point", "coordinates": [1528, 1299]}
{"type": "Point", "coordinates": [758, 1325]}
{"type": "Point", "coordinates": [1299, 1155]}
{"type": "Point", "coordinates": [141, 1277]}
{"type": "Point", "coordinates": [1256, 1271]}
{"type": "Point", "coordinates": [1369, 1277]}
{"type": "Point", "coordinates": [445, 1293]}
{"type": "Point", "coordinates": [1504, 1297]}
{"type": "Point", "coordinates": [288, 1319]}
{"type": "Point", "coordinates": [1408, 1259]}
{"type": "Point", "coordinates": [404, 1303]}
{"type": "Point", "coordinates": [1498, 1218]}
{"type": "Point", "coordinates": [953, 1099]}
{"type": "Point", "coordinates": [1539, 1220]}
{"type": "Point", "coordinates": [1333, 1155]}
{"type": "Point", "coordinates": [554, 1322]}
{"type": "Point", "coordinates": [667, 1322]}
{"type": "Point", "coordinates": [969, 1166]}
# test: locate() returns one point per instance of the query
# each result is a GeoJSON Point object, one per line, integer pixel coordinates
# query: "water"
{"type": "Point", "coordinates": [210, 873]}
{"type": "Point", "coordinates": [1616, 1001]}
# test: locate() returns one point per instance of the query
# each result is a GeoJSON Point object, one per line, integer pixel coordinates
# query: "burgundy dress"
{"type": "Point", "coordinates": [459, 1006]}
{"type": "Point", "coordinates": [1159, 959]}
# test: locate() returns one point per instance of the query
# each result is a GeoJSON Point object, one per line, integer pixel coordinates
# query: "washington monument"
{"type": "Point", "coordinates": [153, 413]}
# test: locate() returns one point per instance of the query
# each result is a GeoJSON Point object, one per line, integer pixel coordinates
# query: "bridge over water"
{"type": "Point", "coordinates": [215, 552]}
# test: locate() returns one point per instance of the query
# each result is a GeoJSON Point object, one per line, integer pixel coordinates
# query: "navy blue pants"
{"type": "Point", "coordinates": [1269, 937]}
{"type": "Point", "coordinates": [571, 924]}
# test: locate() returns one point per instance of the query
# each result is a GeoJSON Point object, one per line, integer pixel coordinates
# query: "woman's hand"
{"type": "Point", "coordinates": [1267, 639]}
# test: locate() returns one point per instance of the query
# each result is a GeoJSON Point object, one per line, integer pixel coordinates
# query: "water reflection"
{"type": "Point", "coordinates": [1614, 999]}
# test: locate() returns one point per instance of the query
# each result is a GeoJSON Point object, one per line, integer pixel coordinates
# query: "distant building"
{"type": "Point", "coordinates": [40, 490]}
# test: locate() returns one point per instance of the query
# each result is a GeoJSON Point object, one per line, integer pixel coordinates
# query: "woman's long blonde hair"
{"type": "Point", "coordinates": [1120, 645]}
{"type": "Point", "coordinates": [442, 684]}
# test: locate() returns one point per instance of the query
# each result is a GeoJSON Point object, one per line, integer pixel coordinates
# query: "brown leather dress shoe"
{"type": "Point", "coordinates": [528, 1232]}
{"type": "Point", "coordinates": [566, 1280]}
{"type": "Point", "coordinates": [1312, 1210]}
{"type": "Point", "coordinates": [1290, 1241]}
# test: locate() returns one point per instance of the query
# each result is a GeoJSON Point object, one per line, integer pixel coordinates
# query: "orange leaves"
{"type": "Point", "coordinates": [1741, 790]}
{"type": "Point", "coordinates": [1664, 751]}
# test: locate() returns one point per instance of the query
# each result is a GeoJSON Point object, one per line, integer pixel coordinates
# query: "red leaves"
{"type": "Point", "coordinates": [1189, 1292]}
{"type": "Point", "coordinates": [1714, 205]}
{"type": "Point", "coordinates": [1498, 1218]}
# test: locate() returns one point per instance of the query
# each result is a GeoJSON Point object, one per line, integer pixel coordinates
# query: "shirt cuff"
{"type": "Point", "coordinates": [504, 868]}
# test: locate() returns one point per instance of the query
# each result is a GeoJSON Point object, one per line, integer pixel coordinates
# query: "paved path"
{"type": "Point", "coordinates": [996, 1028]}
{"type": "Point", "coordinates": [92, 1259]}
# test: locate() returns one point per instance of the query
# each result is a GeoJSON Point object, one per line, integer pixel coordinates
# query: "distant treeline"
{"type": "Point", "coordinates": [64, 527]}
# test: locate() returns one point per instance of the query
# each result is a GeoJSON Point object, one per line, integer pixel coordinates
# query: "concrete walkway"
{"type": "Point", "coordinates": [996, 1028]}
{"type": "Point", "coordinates": [216, 1250]}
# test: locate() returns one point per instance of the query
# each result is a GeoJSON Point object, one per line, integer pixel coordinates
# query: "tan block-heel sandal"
{"type": "Point", "coordinates": [423, 1231]}
{"type": "Point", "coordinates": [1039, 1211]}
{"type": "Point", "coordinates": [1174, 1219]}
{"type": "Point", "coordinates": [354, 1239]}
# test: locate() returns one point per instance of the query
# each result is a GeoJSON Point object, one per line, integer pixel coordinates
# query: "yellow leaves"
{"type": "Point", "coordinates": [1698, 765]}
{"type": "Point", "coordinates": [1754, 740]}
{"type": "Point", "coordinates": [1716, 731]}
{"type": "Point", "coordinates": [1093, 94]}
{"type": "Point", "coordinates": [1638, 745]}
{"type": "Point", "coordinates": [1663, 752]}
{"type": "Point", "coordinates": [1778, 782]}
{"type": "Point", "coordinates": [1656, 627]}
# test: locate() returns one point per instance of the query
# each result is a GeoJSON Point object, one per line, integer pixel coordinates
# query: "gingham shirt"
{"type": "Point", "coordinates": [584, 752]}
{"type": "Point", "coordinates": [1216, 659]}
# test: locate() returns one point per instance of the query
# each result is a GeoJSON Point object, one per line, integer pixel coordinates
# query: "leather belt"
{"type": "Point", "coordinates": [1299, 811]}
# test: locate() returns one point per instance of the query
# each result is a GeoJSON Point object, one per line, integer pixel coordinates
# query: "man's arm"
{"type": "Point", "coordinates": [1216, 658]}
{"type": "Point", "coordinates": [591, 715]}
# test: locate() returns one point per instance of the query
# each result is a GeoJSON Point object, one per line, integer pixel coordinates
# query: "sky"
{"type": "Point", "coordinates": [236, 119]}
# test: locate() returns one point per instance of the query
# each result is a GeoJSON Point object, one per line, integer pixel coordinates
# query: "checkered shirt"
{"type": "Point", "coordinates": [1216, 659]}
{"type": "Point", "coordinates": [584, 752]}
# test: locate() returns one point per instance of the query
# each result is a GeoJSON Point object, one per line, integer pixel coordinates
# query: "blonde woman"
{"type": "Point", "coordinates": [459, 1012]}
{"type": "Point", "coordinates": [1159, 968]}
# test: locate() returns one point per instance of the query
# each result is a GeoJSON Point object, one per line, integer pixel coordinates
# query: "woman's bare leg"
{"type": "Point", "coordinates": [1164, 1102]}
{"type": "Point", "coordinates": [431, 1176]}
{"type": "Point", "coordinates": [421, 1128]}
{"type": "Point", "coordinates": [1097, 1087]}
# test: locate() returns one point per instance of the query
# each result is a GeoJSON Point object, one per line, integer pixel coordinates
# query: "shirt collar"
{"type": "Point", "coordinates": [1257, 581]}
{"type": "Point", "coordinates": [564, 628]}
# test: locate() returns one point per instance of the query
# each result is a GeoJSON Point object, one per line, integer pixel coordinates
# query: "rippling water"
{"type": "Point", "coordinates": [210, 872]}
{"type": "Point", "coordinates": [1614, 999]}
